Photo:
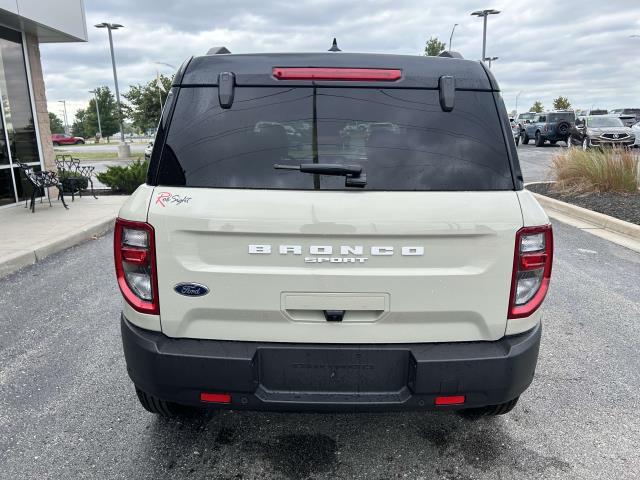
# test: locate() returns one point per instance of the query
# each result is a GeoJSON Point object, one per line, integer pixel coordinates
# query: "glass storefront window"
{"type": "Point", "coordinates": [18, 139]}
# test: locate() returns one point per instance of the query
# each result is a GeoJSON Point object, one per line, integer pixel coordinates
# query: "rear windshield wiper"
{"type": "Point", "coordinates": [353, 173]}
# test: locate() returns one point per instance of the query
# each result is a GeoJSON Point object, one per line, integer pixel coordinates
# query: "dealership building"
{"type": "Point", "coordinates": [24, 122]}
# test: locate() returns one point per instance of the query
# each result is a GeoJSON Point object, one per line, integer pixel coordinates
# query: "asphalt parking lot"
{"type": "Point", "coordinates": [535, 161]}
{"type": "Point", "coordinates": [68, 410]}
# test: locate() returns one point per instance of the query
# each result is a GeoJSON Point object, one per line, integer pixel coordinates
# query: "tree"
{"type": "Point", "coordinates": [145, 102]}
{"type": "Point", "coordinates": [108, 113]}
{"type": "Point", "coordinates": [537, 107]}
{"type": "Point", "coordinates": [561, 103]}
{"type": "Point", "coordinates": [79, 126]}
{"type": "Point", "coordinates": [55, 124]}
{"type": "Point", "coordinates": [434, 47]}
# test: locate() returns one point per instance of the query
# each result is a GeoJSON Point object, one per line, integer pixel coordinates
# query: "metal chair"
{"type": "Point", "coordinates": [40, 181]}
{"type": "Point", "coordinates": [66, 164]}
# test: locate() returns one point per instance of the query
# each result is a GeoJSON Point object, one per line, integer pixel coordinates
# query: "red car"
{"type": "Point", "coordinates": [63, 139]}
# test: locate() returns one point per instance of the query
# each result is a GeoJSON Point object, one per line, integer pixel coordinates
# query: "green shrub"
{"type": "Point", "coordinates": [125, 179]}
{"type": "Point", "coordinates": [596, 170]}
{"type": "Point", "coordinates": [72, 181]}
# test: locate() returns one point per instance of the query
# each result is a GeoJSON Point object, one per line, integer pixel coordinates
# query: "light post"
{"type": "Point", "coordinates": [123, 149]}
{"type": "Point", "coordinates": [66, 121]}
{"type": "Point", "coordinates": [451, 37]}
{"type": "Point", "coordinates": [490, 59]}
{"type": "Point", "coordinates": [95, 97]}
{"type": "Point", "coordinates": [158, 81]}
{"type": "Point", "coordinates": [517, 96]}
{"type": "Point", "coordinates": [484, 14]}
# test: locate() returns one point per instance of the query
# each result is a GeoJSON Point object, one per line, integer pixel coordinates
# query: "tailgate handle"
{"type": "Point", "coordinates": [333, 315]}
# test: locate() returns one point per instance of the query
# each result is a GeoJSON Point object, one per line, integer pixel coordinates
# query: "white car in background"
{"type": "Point", "coordinates": [636, 130]}
{"type": "Point", "coordinates": [147, 150]}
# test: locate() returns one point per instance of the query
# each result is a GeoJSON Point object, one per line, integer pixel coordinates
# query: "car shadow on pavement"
{"type": "Point", "coordinates": [304, 445]}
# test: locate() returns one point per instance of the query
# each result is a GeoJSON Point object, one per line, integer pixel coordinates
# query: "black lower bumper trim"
{"type": "Point", "coordinates": [335, 377]}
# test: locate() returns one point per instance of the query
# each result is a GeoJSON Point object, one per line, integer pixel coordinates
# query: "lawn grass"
{"type": "Point", "coordinates": [88, 155]}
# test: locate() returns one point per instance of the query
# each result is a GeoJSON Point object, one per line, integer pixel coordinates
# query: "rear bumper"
{"type": "Point", "coordinates": [320, 377]}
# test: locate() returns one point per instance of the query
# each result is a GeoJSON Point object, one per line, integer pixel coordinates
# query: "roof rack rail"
{"type": "Point", "coordinates": [450, 54]}
{"type": "Point", "coordinates": [218, 51]}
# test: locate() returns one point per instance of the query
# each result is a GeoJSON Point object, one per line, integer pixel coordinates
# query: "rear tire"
{"type": "Point", "coordinates": [155, 405]}
{"type": "Point", "coordinates": [80, 142]}
{"type": "Point", "coordinates": [489, 410]}
{"type": "Point", "coordinates": [525, 138]}
{"type": "Point", "coordinates": [539, 140]}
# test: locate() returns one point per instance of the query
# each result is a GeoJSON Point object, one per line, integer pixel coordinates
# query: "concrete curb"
{"type": "Point", "coordinates": [598, 219]}
{"type": "Point", "coordinates": [23, 259]}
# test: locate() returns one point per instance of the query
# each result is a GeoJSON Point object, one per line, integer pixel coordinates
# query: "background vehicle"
{"type": "Point", "coordinates": [147, 150]}
{"type": "Point", "coordinates": [64, 139]}
{"type": "Point", "coordinates": [636, 132]}
{"type": "Point", "coordinates": [549, 126]}
{"type": "Point", "coordinates": [349, 272]}
{"type": "Point", "coordinates": [629, 116]}
{"type": "Point", "coordinates": [601, 130]}
{"type": "Point", "coordinates": [523, 118]}
{"type": "Point", "coordinates": [515, 131]}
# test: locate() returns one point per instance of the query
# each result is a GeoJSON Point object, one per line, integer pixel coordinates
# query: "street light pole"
{"type": "Point", "coordinates": [95, 97]}
{"type": "Point", "coordinates": [158, 81]}
{"type": "Point", "coordinates": [66, 121]}
{"type": "Point", "coordinates": [484, 14]}
{"type": "Point", "coordinates": [517, 95]}
{"type": "Point", "coordinates": [123, 148]}
{"type": "Point", "coordinates": [451, 37]}
{"type": "Point", "coordinates": [491, 59]}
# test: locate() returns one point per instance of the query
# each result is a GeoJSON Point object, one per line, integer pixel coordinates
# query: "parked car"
{"type": "Point", "coordinates": [600, 130]}
{"type": "Point", "coordinates": [355, 278]}
{"type": "Point", "coordinates": [515, 131]}
{"type": "Point", "coordinates": [629, 116]}
{"type": "Point", "coordinates": [635, 129]}
{"type": "Point", "coordinates": [523, 118]}
{"type": "Point", "coordinates": [64, 139]}
{"type": "Point", "coordinates": [548, 126]}
{"type": "Point", "coordinates": [147, 150]}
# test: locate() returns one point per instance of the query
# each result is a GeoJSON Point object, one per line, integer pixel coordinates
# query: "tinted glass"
{"type": "Point", "coordinates": [603, 121]}
{"type": "Point", "coordinates": [401, 138]}
{"type": "Point", "coordinates": [559, 117]}
{"type": "Point", "coordinates": [15, 98]}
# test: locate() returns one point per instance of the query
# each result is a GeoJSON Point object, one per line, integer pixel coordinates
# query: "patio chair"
{"type": "Point", "coordinates": [40, 181]}
{"type": "Point", "coordinates": [74, 175]}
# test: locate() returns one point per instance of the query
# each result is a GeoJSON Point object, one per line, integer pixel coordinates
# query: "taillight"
{"type": "Point", "coordinates": [531, 270]}
{"type": "Point", "coordinates": [135, 258]}
{"type": "Point", "coordinates": [344, 74]}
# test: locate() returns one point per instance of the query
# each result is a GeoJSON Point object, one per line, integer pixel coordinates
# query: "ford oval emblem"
{"type": "Point", "coordinates": [191, 289]}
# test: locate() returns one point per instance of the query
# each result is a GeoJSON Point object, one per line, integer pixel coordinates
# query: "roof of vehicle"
{"type": "Point", "coordinates": [256, 69]}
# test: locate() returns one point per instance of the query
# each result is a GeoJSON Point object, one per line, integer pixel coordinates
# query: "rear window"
{"type": "Point", "coordinates": [401, 138]}
{"type": "Point", "coordinates": [561, 117]}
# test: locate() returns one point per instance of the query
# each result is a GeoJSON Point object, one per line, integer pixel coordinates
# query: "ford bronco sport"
{"type": "Point", "coordinates": [332, 231]}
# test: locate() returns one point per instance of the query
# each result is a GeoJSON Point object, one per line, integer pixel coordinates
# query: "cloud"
{"type": "Point", "coordinates": [546, 48]}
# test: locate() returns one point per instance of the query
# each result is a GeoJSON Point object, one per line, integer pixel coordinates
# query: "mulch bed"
{"type": "Point", "coordinates": [625, 206]}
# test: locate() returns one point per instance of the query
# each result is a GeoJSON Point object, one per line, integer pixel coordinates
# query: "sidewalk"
{"type": "Point", "coordinates": [29, 237]}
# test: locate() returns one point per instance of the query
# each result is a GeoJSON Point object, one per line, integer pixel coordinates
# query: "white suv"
{"type": "Point", "coordinates": [351, 236]}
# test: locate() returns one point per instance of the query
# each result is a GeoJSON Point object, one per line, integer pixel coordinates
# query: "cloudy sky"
{"type": "Point", "coordinates": [580, 49]}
